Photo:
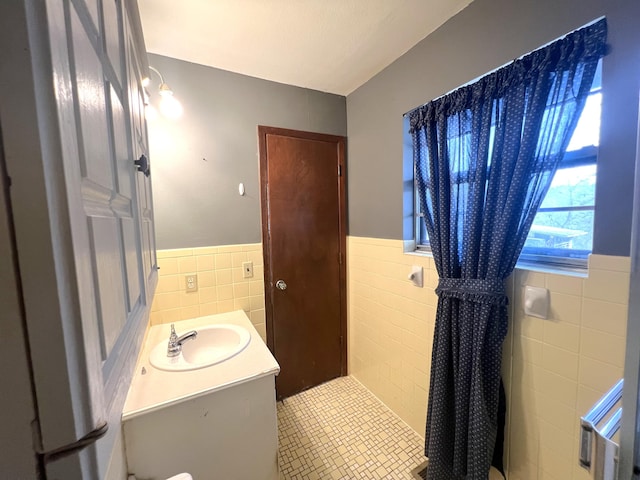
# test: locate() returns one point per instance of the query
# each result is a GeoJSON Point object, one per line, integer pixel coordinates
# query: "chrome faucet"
{"type": "Point", "coordinates": [175, 342]}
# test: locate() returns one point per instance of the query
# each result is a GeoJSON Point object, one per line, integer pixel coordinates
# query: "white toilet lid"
{"type": "Point", "coordinates": [180, 476]}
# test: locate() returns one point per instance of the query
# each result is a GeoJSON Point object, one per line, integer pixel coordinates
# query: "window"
{"type": "Point", "coordinates": [562, 232]}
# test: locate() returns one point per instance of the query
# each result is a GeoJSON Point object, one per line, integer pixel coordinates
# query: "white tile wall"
{"type": "Point", "coordinates": [560, 366]}
{"type": "Point", "coordinates": [391, 325]}
{"type": "Point", "coordinates": [221, 286]}
{"type": "Point", "coordinates": [554, 369]}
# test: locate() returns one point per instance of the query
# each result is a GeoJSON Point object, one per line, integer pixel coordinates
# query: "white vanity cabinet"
{"type": "Point", "coordinates": [217, 422]}
{"type": "Point", "coordinates": [72, 118]}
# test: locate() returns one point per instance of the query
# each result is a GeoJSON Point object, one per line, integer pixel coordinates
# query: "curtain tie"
{"type": "Point", "coordinates": [489, 291]}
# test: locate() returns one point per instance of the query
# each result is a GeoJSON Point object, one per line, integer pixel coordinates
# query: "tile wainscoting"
{"type": "Point", "coordinates": [553, 369]}
{"type": "Point", "coordinates": [391, 325]}
{"type": "Point", "coordinates": [221, 285]}
{"type": "Point", "coordinates": [556, 369]}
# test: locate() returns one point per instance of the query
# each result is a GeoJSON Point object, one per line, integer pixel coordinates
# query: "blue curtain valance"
{"type": "Point", "coordinates": [561, 56]}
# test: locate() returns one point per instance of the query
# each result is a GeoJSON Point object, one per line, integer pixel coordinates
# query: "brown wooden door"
{"type": "Point", "coordinates": [303, 226]}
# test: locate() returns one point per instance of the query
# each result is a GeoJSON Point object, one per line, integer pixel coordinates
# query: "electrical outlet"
{"type": "Point", "coordinates": [191, 282]}
{"type": "Point", "coordinates": [247, 269]}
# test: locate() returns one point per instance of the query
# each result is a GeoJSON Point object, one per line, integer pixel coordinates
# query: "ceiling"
{"type": "Point", "coordinates": [328, 45]}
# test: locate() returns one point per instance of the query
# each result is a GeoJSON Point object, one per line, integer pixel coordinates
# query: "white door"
{"type": "Point", "coordinates": [84, 228]}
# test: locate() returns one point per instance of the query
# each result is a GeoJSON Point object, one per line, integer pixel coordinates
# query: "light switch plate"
{"type": "Point", "coordinates": [247, 269]}
{"type": "Point", "coordinates": [191, 283]}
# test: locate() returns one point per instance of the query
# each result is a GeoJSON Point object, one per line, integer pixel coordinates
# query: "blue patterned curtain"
{"type": "Point", "coordinates": [485, 156]}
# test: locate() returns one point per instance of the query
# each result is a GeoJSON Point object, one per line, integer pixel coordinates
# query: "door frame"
{"type": "Point", "coordinates": [630, 428]}
{"type": "Point", "coordinates": [340, 142]}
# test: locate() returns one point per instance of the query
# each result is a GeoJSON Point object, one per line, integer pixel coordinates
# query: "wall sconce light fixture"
{"type": "Point", "coordinates": [169, 106]}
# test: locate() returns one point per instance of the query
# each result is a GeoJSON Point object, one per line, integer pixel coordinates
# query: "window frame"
{"type": "Point", "coordinates": [577, 158]}
{"type": "Point", "coordinates": [584, 156]}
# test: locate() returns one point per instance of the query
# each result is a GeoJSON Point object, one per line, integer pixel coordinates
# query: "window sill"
{"type": "Point", "coordinates": [409, 248]}
{"type": "Point", "coordinates": [420, 253]}
{"type": "Point", "coordinates": [579, 272]}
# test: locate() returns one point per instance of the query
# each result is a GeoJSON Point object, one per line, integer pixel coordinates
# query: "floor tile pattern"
{"type": "Point", "coordinates": [339, 430]}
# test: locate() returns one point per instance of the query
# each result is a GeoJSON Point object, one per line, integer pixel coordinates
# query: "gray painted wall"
{"type": "Point", "coordinates": [199, 160]}
{"type": "Point", "coordinates": [484, 36]}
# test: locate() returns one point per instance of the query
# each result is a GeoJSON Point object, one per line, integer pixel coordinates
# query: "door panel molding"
{"type": "Point", "coordinates": [66, 122]}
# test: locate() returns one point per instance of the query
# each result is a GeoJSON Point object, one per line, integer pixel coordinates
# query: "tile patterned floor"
{"type": "Point", "coordinates": [339, 430]}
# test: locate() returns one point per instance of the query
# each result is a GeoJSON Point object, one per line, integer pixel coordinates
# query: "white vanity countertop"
{"type": "Point", "coordinates": [158, 388]}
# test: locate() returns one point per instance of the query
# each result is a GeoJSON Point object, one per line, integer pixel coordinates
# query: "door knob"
{"type": "Point", "coordinates": [281, 285]}
{"type": "Point", "coordinates": [143, 165]}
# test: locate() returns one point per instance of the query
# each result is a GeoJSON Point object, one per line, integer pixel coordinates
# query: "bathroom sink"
{"type": "Point", "coordinates": [214, 344]}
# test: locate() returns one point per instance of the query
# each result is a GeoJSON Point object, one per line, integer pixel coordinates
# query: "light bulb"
{"type": "Point", "coordinates": [165, 90]}
{"type": "Point", "coordinates": [150, 112]}
{"type": "Point", "coordinates": [170, 107]}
